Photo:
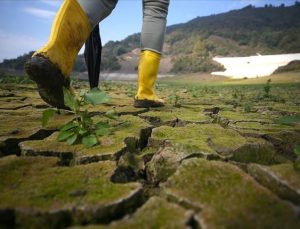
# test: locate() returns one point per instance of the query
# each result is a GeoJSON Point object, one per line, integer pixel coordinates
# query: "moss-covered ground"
{"type": "Point", "coordinates": [218, 155]}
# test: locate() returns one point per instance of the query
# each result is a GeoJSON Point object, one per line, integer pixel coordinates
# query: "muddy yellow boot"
{"type": "Point", "coordinates": [50, 67]}
{"type": "Point", "coordinates": [147, 74]}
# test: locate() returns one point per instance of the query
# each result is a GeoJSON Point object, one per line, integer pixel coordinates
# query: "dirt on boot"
{"type": "Point", "coordinates": [49, 80]}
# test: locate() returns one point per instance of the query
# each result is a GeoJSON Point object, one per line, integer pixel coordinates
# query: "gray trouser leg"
{"type": "Point", "coordinates": [97, 10]}
{"type": "Point", "coordinates": [154, 24]}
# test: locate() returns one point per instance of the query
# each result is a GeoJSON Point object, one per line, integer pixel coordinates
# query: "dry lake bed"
{"type": "Point", "coordinates": [218, 155]}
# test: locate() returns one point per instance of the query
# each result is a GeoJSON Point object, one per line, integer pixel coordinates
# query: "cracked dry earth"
{"type": "Point", "coordinates": [203, 163]}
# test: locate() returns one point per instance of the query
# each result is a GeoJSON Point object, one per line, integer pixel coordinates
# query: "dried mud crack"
{"type": "Point", "coordinates": [200, 163]}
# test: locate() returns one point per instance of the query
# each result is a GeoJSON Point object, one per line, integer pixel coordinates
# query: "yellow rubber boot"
{"type": "Point", "coordinates": [69, 31]}
{"type": "Point", "coordinates": [147, 75]}
{"type": "Point", "coordinates": [50, 66]}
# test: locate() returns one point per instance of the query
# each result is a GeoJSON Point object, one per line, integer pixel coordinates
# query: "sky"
{"type": "Point", "coordinates": [25, 24]}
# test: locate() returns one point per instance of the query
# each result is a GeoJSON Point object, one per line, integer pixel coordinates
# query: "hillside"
{"type": "Point", "coordinates": [190, 46]}
{"type": "Point", "coordinates": [269, 30]}
{"type": "Point", "coordinates": [291, 67]}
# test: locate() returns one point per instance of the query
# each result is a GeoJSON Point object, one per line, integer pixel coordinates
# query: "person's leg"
{"type": "Point", "coordinates": [152, 38]}
{"type": "Point", "coordinates": [50, 66]}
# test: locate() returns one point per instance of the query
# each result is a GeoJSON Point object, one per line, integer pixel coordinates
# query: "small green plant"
{"type": "Point", "coordinates": [195, 92]}
{"type": "Point", "coordinates": [288, 120]}
{"type": "Point", "coordinates": [175, 99]}
{"type": "Point", "coordinates": [248, 107]}
{"type": "Point", "coordinates": [82, 128]}
{"type": "Point", "coordinates": [297, 161]}
{"type": "Point", "coordinates": [242, 97]}
{"type": "Point", "coordinates": [259, 97]}
{"type": "Point", "coordinates": [235, 93]}
{"type": "Point", "coordinates": [14, 79]}
{"type": "Point", "coordinates": [267, 89]}
{"type": "Point", "coordinates": [130, 92]}
{"type": "Point", "coordinates": [206, 90]}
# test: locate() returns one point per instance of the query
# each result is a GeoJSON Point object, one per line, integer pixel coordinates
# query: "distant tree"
{"type": "Point", "coordinates": [17, 63]}
{"type": "Point", "coordinates": [119, 50]}
{"type": "Point", "coordinates": [80, 65]}
{"type": "Point", "coordinates": [110, 63]}
{"type": "Point", "coordinates": [248, 7]}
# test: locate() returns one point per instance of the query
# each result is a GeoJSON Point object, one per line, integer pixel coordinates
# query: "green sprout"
{"type": "Point", "coordinates": [248, 107]}
{"type": "Point", "coordinates": [297, 161]}
{"type": "Point", "coordinates": [175, 99]}
{"type": "Point", "coordinates": [267, 89]}
{"type": "Point", "coordinates": [82, 128]}
{"type": "Point", "coordinates": [288, 120]}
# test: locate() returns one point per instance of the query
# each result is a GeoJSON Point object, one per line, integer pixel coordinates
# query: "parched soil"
{"type": "Point", "coordinates": [214, 157]}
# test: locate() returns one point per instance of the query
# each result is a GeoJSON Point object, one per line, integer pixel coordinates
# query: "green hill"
{"type": "Point", "coordinates": [191, 46]}
{"type": "Point", "coordinates": [268, 30]}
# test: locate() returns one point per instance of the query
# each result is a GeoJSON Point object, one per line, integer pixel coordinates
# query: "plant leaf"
{"type": "Point", "coordinates": [288, 120]}
{"type": "Point", "coordinates": [82, 92]}
{"type": "Point", "coordinates": [89, 141]}
{"type": "Point", "coordinates": [101, 125]}
{"type": "Point", "coordinates": [101, 132]}
{"type": "Point", "coordinates": [82, 131]}
{"type": "Point", "coordinates": [87, 121]}
{"type": "Point", "coordinates": [111, 114]}
{"type": "Point", "coordinates": [47, 114]}
{"type": "Point", "coordinates": [64, 135]}
{"type": "Point", "coordinates": [95, 96]}
{"type": "Point", "coordinates": [296, 165]}
{"type": "Point", "coordinates": [70, 100]}
{"type": "Point", "coordinates": [68, 126]}
{"type": "Point", "coordinates": [297, 150]}
{"type": "Point", "coordinates": [71, 140]}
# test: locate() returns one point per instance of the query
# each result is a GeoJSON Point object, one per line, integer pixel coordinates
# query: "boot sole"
{"type": "Point", "coordinates": [147, 103]}
{"type": "Point", "coordinates": [49, 80]}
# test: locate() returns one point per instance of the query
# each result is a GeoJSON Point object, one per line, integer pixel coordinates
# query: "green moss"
{"type": "Point", "coordinates": [13, 126]}
{"type": "Point", "coordinates": [228, 197]}
{"type": "Point", "coordinates": [240, 116]}
{"type": "Point", "coordinates": [286, 141]}
{"type": "Point", "coordinates": [169, 114]}
{"type": "Point", "coordinates": [22, 98]}
{"type": "Point", "coordinates": [256, 151]}
{"type": "Point", "coordinates": [20, 112]}
{"type": "Point", "coordinates": [286, 107]}
{"type": "Point", "coordinates": [287, 173]}
{"type": "Point", "coordinates": [156, 213]}
{"type": "Point", "coordinates": [163, 164]}
{"type": "Point", "coordinates": [282, 179]}
{"type": "Point", "coordinates": [52, 147]}
{"type": "Point", "coordinates": [124, 128]}
{"type": "Point", "coordinates": [207, 138]}
{"type": "Point", "coordinates": [131, 126]}
{"type": "Point", "coordinates": [147, 152]}
{"type": "Point", "coordinates": [267, 127]}
{"type": "Point", "coordinates": [259, 123]}
{"type": "Point", "coordinates": [122, 107]}
{"type": "Point", "coordinates": [17, 104]}
{"type": "Point", "coordinates": [24, 123]}
{"type": "Point", "coordinates": [36, 183]}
